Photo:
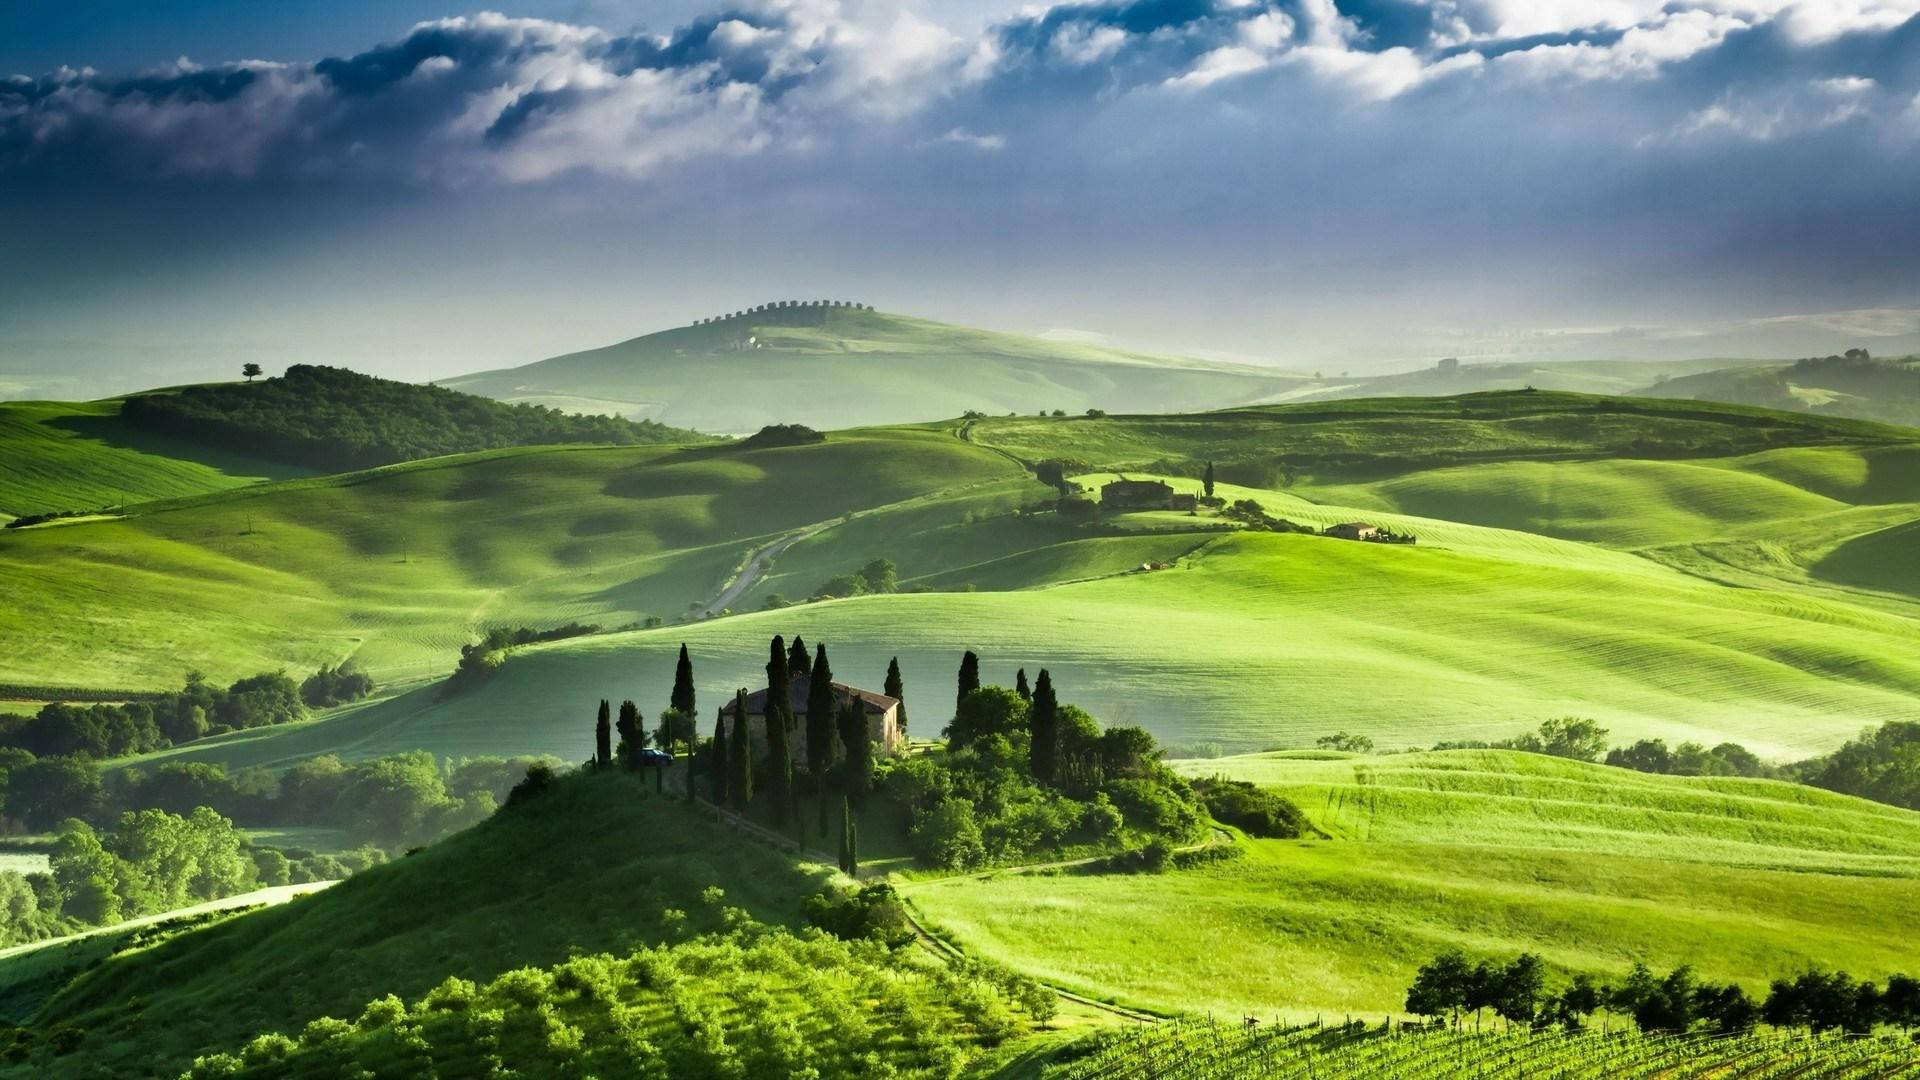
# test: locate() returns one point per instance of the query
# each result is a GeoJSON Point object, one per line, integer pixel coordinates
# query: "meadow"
{"type": "Point", "coordinates": [1495, 852]}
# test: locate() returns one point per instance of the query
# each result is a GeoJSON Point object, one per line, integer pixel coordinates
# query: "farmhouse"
{"type": "Point", "coordinates": [1136, 495]}
{"type": "Point", "coordinates": [883, 718]}
{"type": "Point", "coordinates": [1353, 530]}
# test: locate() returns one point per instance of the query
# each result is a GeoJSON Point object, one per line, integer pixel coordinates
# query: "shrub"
{"type": "Point", "coordinates": [1252, 810]}
{"type": "Point", "coordinates": [949, 836]}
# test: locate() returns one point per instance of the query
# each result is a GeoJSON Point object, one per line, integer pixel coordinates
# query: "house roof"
{"type": "Point", "coordinates": [1353, 525]}
{"type": "Point", "coordinates": [797, 690]}
{"type": "Point", "coordinates": [1155, 484]}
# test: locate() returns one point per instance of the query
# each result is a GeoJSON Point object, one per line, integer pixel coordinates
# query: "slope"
{"type": "Point", "coordinates": [59, 455]}
{"type": "Point", "coordinates": [1493, 851]}
{"type": "Point", "coordinates": [835, 367]}
{"type": "Point", "coordinates": [597, 863]}
{"type": "Point", "coordinates": [397, 566]}
{"type": "Point", "coordinates": [1883, 390]}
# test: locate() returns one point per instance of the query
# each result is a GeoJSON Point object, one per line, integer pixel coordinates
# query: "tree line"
{"type": "Point", "coordinates": [335, 419]}
{"type": "Point", "coordinates": [1449, 988]}
{"type": "Point", "coordinates": [480, 659]}
{"type": "Point", "coordinates": [197, 710]}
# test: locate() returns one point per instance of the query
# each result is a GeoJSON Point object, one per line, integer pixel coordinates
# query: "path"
{"type": "Point", "coordinates": [757, 566]}
{"type": "Point", "coordinates": [278, 894]}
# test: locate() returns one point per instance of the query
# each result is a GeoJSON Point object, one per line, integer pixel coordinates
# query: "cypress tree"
{"type": "Point", "coordinates": [859, 745]}
{"type": "Point", "coordinates": [779, 727]}
{"type": "Point", "coordinates": [740, 755]}
{"type": "Point", "coordinates": [1045, 727]}
{"type": "Point", "coordinates": [632, 735]}
{"type": "Point", "coordinates": [797, 662]}
{"type": "Point", "coordinates": [682, 699]}
{"type": "Point", "coordinates": [1020, 685]}
{"type": "Point", "coordinates": [820, 728]}
{"type": "Point", "coordinates": [849, 841]}
{"type": "Point", "coordinates": [1206, 481]}
{"type": "Point", "coordinates": [719, 764]}
{"type": "Point", "coordinates": [896, 689]}
{"type": "Point", "coordinates": [603, 737]}
{"type": "Point", "coordinates": [969, 678]}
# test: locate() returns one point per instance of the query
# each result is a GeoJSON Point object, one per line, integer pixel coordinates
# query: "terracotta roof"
{"type": "Point", "coordinates": [797, 695]}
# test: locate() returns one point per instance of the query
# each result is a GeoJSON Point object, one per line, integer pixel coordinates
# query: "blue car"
{"type": "Point", "coordinates": [653, 756]}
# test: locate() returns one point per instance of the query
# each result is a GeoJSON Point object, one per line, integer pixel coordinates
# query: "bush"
{"type": "Point", "coordinates": [873, 912]}
{"type": "Point", "coordinates": [949, 836]}
{"type": "Point", "coordinates": [782, 435]}
{"type": "Point", "coordinates": [1252, 810]}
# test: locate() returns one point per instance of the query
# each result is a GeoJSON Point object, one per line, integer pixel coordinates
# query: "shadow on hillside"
{"type": "Point", "coordinates": [114, 432]}
{"type": "Point", "coordinates": [1882, 561]}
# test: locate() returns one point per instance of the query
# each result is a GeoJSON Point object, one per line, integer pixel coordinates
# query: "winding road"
{"type": "Point", "coordinates": [757, 565]}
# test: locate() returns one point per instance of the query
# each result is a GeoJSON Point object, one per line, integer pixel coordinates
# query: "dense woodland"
{"type": "Point", "coordinates": [334, 419]}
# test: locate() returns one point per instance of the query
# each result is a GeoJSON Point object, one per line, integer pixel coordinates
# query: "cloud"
{"type": "Point", "coordinates": [490, 98]}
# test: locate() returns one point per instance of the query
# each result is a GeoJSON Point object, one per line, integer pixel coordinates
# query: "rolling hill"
{"type": "Point", "coordinates": [838, 367]}
{"type": "Point", "coordinates": [1884, 390]}
{"type": "Point", "coordinates": [1495, 852]}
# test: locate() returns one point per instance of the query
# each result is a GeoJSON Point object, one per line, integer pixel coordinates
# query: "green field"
{"type": "Point", "coordinates": [1495, 852]}
{"type": "Point", "coordinates": [594, 866]}
{"type": "Point", "coordinates": [707, 378]}
{"type": "Point", "coordinates": [67, 455]}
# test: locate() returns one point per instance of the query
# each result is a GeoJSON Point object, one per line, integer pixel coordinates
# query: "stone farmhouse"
{"type": "Point", "coordinates": [1124, 494]}
{"type": "Point", "coordinates": [1353, 530]}
{"type": "Point", "coordinates": [883, 718]}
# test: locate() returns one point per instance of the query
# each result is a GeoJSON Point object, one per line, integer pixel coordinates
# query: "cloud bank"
{"type": "Point", "coordinates": [492, 99]}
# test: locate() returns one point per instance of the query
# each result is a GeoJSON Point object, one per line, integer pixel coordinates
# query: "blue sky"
{"type": "Point", "coordinates": [416, 189]}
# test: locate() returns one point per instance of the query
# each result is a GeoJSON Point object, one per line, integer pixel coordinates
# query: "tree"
{"type": "Point", "coordinates": [1020, 685]}
{"type": "Point", "coordinates": [986, 712]}
{"type": "Point", "coordinates": [1647, 755]}
{"type": "Point", "coordinates": [251, 371]}
{"type": "Point", "coordinates": [1206, 480]}
{"type": "Point", "coordinates": [1521, 983]}
{"type": "Point", "coordinates": [1900, 1001]}
{"type": "Point", "coordinates": [633, 735]}
{"type": "Point", "coordinates": [820, 724]}
{"type": "Point", "coordinates": [603, 737]}
{"type": "Point", "coordinates": [740, 756]}
{"type": "Point", "coordinates": [46, 792]}
{"type": "Point", "coordinates": [1567, 737]}
{"type": "Point", "coordinates": [1439, 987]}
{"type": "Point", "coordinates": [880, 576]}
{"type": "Point", "coordinates": [797, 659]}
{"type": "Point", "coordinates": [969, 677]}
{"type": "Point", "coordinates": [896, 689]}
{"type": "Point", "coordinates": [682, 698]}
{"type": "Point", "coordinates": [1043, 721]}
{"type": "Point", "coordinates": [849, 841]}
{"type": "Point", "coordinates": [779, 727]}
{"type": "Point", "coordinates": [721, 763]}
{"type": "Point", "coordinates": [1579, 1000]}
{"type": "Point", "coordinates": [858, 742]}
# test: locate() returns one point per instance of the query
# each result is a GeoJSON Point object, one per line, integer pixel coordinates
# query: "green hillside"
{"type": "Point", "coordinates": [594, 866]}
{"type": "Point", "coordinates": [1576, 376]}
{"type": "Point", "coordinates": [57, 456]}
{"type": "Point", "coordinates": [1493, 851]}
{"type": "Point", "coordinates": [1853, 385]}
{"type": "Point", "coordinates": [847, 367]}
{"type": "Point", "coordinates": [398, 566]}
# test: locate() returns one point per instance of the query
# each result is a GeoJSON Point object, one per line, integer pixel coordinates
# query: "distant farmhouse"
{"type": "Point", "coordinates": [883, 718]}
{"type": "Point", "coordinates": [1126, 494]}
{"type": "Point", "coordinates": [1354, 530]}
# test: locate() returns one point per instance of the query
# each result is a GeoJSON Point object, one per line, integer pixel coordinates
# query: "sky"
{"type": "Point", "coordinates": [419, 190]}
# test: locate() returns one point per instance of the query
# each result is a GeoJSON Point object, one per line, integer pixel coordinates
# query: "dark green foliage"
{"type": "Point", "coordinates": [1833, 1001]}
{"type": "Point", "coordinates": [969, 677]}
{"type": "Point", "coordinates": [684, 700]}
{"type": "Point", "coordinates": [538, 780]}
{"type": "Point", "coordinates": [104, 731]}
{"type": "Point", "coordinates": [870, 913]}
{"type": "Point", "coordinates": [1882, 764]}
{"type": "Point", "coordinates": [334, 419]}
{"type": "Point", "coordinates": [849, 841]}
{"type": "Point", "coordinates": [1206, 481]}
{"type": "Point", "coordinates": [1253, 810]}
{"type": "Point", "coordinates": [1020, 685]}
{"type": "Point", "coordinates": [41, 794]}
{"type": "Point", "coordinates": [1345, 742]}
{"type": "Point", "coordinates": [480, 659]}
{"type": "Point", "coordinates": [740, 756]}
{"type": "Point", "coordinates": [821, 736]}
{"type": "Point", "coordinates": [633, 736]}
{"type": "Point", "coordinates": [781, 435]}
{"type": "Point", "coordinates": [988, 712]}
{"type": "Point", "coordinates": [332, 686]}
{"type": "Point", "coordinates": [1043, 716]}
{"type": "Point", "coordinates": [720, 761]}
{"type": "Point", "coordinates": [1689, 759]}
{"type": "Point", "coordinates": [1567, 737]}
{"type": "Point", "coordinates": [780, 724]}
{"type": "Point", "coordinates": [857, 767]}
{"type": "Point", "coordinates": [896, 689]}
{"type": "Point", "coordinates": [603, 736]}
{"type": "Point", "coordinates": [799, 663]}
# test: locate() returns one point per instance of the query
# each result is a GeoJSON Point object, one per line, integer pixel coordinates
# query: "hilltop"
{"type": "Point", "coordinates": [1855, 384]}
{"type": "Point", "coordinates": [847, 366]}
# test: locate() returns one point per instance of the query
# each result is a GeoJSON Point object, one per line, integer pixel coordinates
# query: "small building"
{"type": "Point", "coordinates": [1136, 495]}
{"type": "Point", "coordinates": [1353, 530]}
{"type": "Point", "coordinates": [882, 712]}
{"type": "Point", "coordinates": [1184, 500]}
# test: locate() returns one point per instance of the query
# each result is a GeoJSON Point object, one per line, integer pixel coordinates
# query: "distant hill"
{"type": "Point", "coordinates": [847, 366]}
{"type": "Point", "coordinates": [1854, 384]}
{"type": "Point", "coordinates": [1448, 378]}
{"type": "Point", "coordinates": [335, 419]}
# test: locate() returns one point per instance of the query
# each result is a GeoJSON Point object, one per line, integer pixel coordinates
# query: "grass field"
{"type": "Point", "coordinates": [67, 455]}
{"type": "Point", "coordinates": [398, 566]}
{"type": "Point", "coordinates": [594, 866]}
{"type": "Point", "coordinates": [1494, 852]}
